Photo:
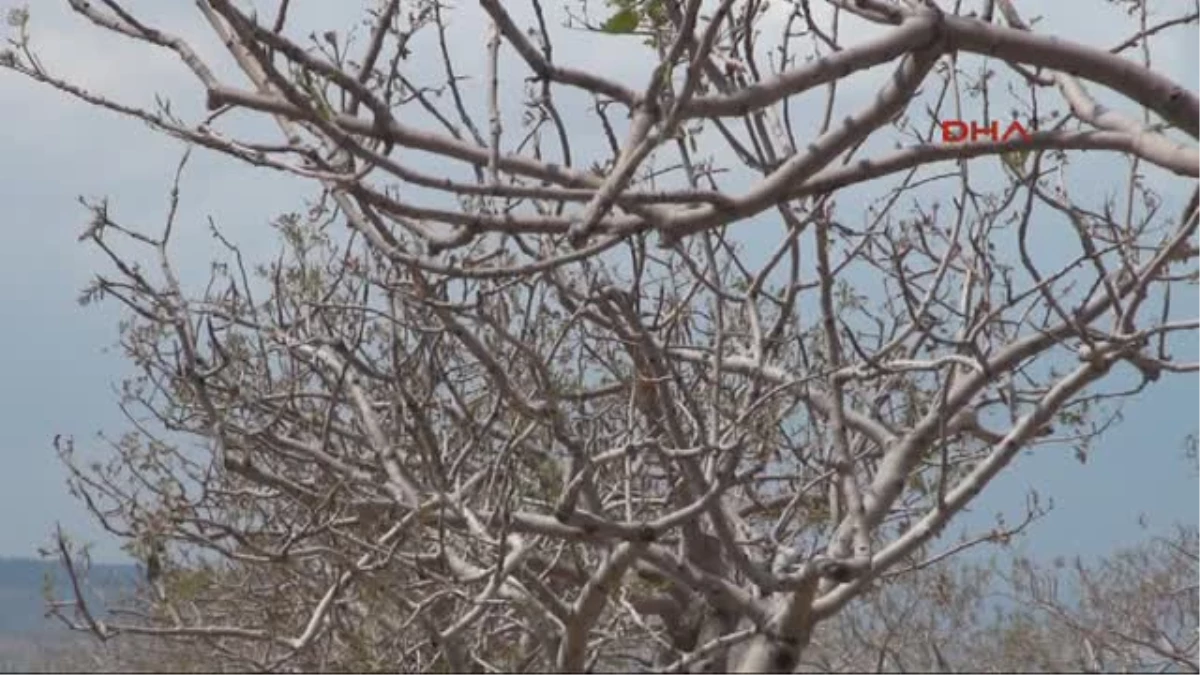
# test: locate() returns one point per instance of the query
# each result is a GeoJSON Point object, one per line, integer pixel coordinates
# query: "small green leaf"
{"type": "Point", "coordinates": [917, 484]}
{"type": "Point", "coordinates": [626, 20]}
{"type": "Point", "coordinates": [656, 12]}
{"type": "Point", "coordinates": [1016, 160]}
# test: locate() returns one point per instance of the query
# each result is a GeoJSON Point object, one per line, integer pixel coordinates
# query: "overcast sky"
{"type": "Point", "coordinates": [56, 375]}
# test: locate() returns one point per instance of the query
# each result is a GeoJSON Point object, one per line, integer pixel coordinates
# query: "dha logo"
{"type": "Point", "coordinates": [956, 131]}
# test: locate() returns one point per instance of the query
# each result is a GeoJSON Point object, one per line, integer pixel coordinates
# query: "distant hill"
{"type": "Point", "coordinates": [22, 580]}
{"type": "Point", "coordinates": [25, 630]}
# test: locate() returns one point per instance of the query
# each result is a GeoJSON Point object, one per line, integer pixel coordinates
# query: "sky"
{"type": "Point", "coordinates": [58, 372]}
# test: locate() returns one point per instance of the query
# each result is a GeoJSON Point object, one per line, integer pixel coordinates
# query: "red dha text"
{"type": "Point", "coordinates": [957, 131]}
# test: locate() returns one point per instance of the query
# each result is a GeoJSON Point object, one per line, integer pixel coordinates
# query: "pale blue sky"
{"type": "Point", "coordinates": [58, 377]}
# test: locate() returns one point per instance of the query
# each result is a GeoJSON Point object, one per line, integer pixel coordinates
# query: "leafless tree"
{"type": "Point", "coordinates": [934, 620]}
{"type": "Point", "coordinates": [1134, 612]}
{"type": "Point", "coordinates": [667, 401]}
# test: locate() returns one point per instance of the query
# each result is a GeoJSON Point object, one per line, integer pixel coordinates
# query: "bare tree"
{"type": "Point", "coordinates": [552, 404]}
{"type": "Point", "coordinates": [1134, 611]}
{"type": "Point", "coordinates": [935, 619]}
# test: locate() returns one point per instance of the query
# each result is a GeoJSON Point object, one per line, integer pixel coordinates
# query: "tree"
{"type": "Point", "coordinates": [553, 408]}
{"type": "Point", "coordinates": [1134, 612]}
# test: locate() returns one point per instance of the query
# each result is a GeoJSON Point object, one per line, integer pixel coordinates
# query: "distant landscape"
{"type": "Point", "coordinates": [27, 635]}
